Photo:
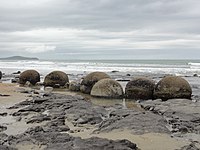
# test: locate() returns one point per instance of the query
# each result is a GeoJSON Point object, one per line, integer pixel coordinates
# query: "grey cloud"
{"type": "Point", "coordinates": [105, 27]}
{"type": "Point", "coordinates": [118, 15]}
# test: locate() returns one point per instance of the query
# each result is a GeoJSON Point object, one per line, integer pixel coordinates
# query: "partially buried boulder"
{"type": "Point", "coordinates": [90, 80]}
{"type": "Point", "coordinates": [107, 88]}
{"type": "Point", "coordinates": [0, 74]}
{"type": "Point", "coordinates": [29, 75]}
{"type": "Point", "coordinates": [172, 87]}
{"type": "Point", "coordinates": [74, 86]}
{"type": "Point", "coordinates": [56, 78]}
{"type": "Point", "coordinates": [140, 88]}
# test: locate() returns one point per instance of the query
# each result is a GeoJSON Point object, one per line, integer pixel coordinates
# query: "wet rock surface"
{"type": "Point", "coordinates": [177, 117]}
{"type": "Point", "coordinates": [52, 112]}
{"type": "Point", "coordinates": [59, 141]}
{"type": "Point", "coordinates": [139, 122]}
{"type": "Point", "coordinates": [182, 115]}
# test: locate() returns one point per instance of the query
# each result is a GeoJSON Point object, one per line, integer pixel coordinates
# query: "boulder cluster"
{"type": "Point", "coordinates": [99, 84]}
{"type": "Point", "coordinates": [169, 87]}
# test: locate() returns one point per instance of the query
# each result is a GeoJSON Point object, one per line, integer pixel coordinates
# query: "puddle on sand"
{"type": "Point", "coordinates": [126, 103]}
{"type": "Point", "coordinates": [148, 141]}
{"type": "Point", "coordinates": [29, 146]}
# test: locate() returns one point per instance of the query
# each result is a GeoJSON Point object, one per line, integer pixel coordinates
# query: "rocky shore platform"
{"type": "Point", "coordinates": [67, 120]}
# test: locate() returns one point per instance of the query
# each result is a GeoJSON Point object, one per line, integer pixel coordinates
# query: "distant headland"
{"type": "Point", "coordinates": [19, 58]}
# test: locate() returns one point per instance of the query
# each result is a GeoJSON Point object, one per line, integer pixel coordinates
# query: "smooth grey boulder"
{"type": "Point", "coordinates": [88, 81]}
{"type": "Point", "coordinates": [107, 88]}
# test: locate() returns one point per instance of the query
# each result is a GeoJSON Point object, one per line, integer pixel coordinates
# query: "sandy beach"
{"type": "Point", "coordinates": [26, 117]}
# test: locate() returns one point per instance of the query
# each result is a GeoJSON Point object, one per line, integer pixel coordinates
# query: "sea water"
{"type": "Point", "coordinates": [176, 67]}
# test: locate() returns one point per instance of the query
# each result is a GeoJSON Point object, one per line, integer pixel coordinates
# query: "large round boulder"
{"type": "Point", "coordinates": [56, 79]}
{"type": "Point", "coordinates": [140, 88]}
{"type": "Point", "coordinates": [107, 88]}
{"type": "Point", "coordinates": [88, 81]}
{"type": "Point", "coordinates": [0, 74]}
{"type": "Point", "coordinates": [31, 76]}
{"type": "Point", "coordinates": [172, 87]}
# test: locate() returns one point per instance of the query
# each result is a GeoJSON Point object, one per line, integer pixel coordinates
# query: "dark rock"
{"type": "Point", "coordinates": [18, 72]}
{"type": "Point", "coordinates": [56, 77]}
{"type": "Point", "coordinates": [191, 146]}
{"type": "Point", "coordinates": [122, 79]}
{"type": "Point", "coordinates": [38, 119]}
{"type": "Point", "coordinates": [14, 80]}
{"type": "Point", "coordinates": [3, 114]}
{"type": "Point", "coordinates": [138, 122]}
{"type": "Point", "coordinates": [181, 115]}
{"type": "Point", "coordinates": [74, 86]}
{"type": "Point", "coordinates": [4, 95]}
{"type": "Point", "coordinates": [114, 71]}
{"type": "Point", "coordinates": [4, 147]}
{"type": "Point", "coordinates": [0, 74]}
{"type": "Point", "coordinates": [90, 80]}
{"type": "Point", "coordinates": [99, 144]}
{"type": "Point", "coordinates": [3, 128]}
{"type": "Point", "coordinates": [172, 87]}
{"type": "Point", "coordinates": [29, 75]}
{"type": "Point", "coordinates": [107, 88]}
{"type": "Point", "coordinates": [195, 75]}
{"type": "Point", "coordinates": [140, 88]}
{"type": "Point", "coordinates": [3, 138]}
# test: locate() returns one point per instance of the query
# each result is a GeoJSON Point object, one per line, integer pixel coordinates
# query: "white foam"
{"type": "Point", "coordinates": [81, 66]}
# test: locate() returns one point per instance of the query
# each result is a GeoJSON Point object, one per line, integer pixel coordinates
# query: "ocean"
{"type": "Point", "coordinates": [175, 67]}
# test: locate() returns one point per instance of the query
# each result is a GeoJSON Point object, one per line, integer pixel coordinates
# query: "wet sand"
{"type": "Point", "coordinates": [146, 141]}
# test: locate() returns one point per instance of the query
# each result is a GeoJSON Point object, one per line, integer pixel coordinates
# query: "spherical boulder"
{"type": "Point", "coordinates": [172, 87]}
{"type": "Point", "coordinates": [0, 74]}
{"type": "Point", "coordinates": [107, 88]}
{"type": "Point", "coordinates": [56, 78]}
{"type": "Point", "coordinates": [88, 82]}
{"type": "Point", "coordinates": [29, 75]}
{"type": "Point", "coordinates": [140, 88]}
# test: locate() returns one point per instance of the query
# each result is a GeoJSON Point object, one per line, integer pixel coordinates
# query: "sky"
{"type": "Point", "coordinates": [100, 29]}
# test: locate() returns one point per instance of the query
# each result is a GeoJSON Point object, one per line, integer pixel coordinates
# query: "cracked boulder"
{"type": "Point", "coordinates": [171, 87]}
{"type": "Point", "coordinates": [140, 89]}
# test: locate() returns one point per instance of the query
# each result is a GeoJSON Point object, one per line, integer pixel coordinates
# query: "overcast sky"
{"type": "Point", "coordinates": [100, 29]}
